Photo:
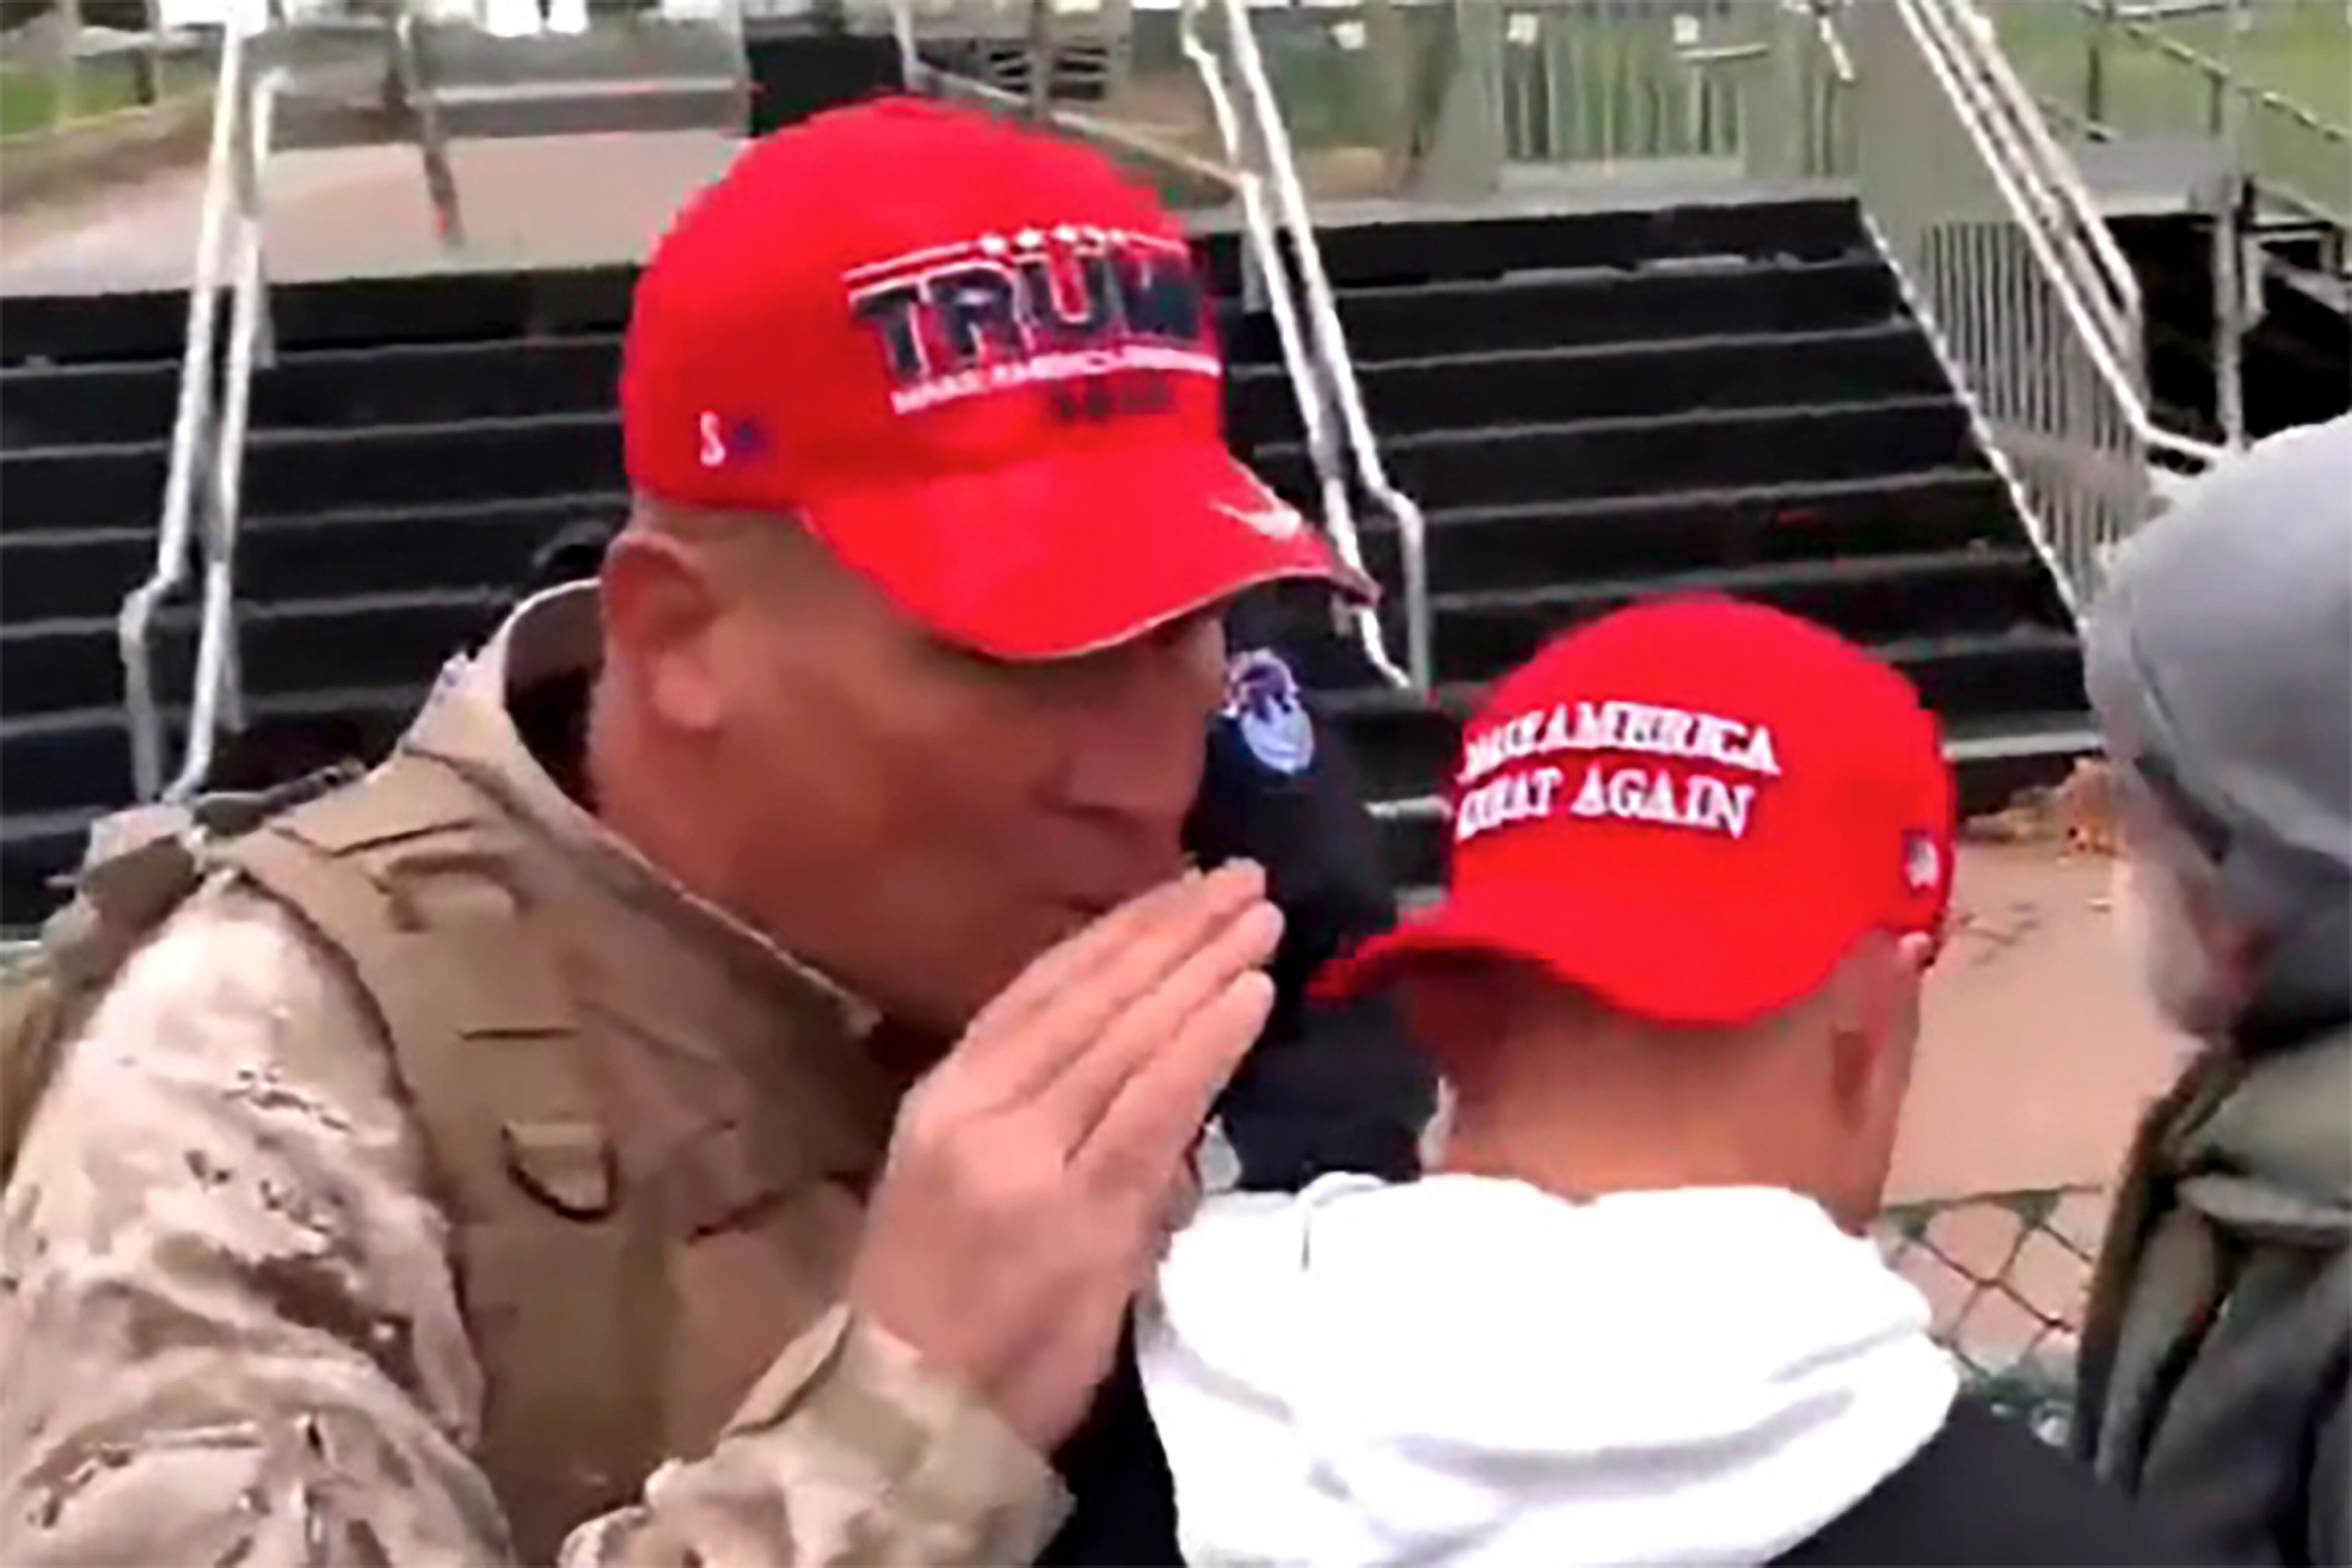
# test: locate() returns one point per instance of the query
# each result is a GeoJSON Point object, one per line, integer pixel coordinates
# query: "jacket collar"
{"type": "Point", "coordinates": [745, 1070]}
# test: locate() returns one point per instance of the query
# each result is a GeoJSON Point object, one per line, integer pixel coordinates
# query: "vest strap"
{"type": "Point", "coordinates": [416, 880]}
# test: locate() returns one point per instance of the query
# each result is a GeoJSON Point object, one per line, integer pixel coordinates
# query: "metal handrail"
{"type": "Point", "coordinates": [190, 423]}
{"type": "Point", "coordinates": [2224, 81]}
{"type": "Point", "coordinates": [1338, 365]}
{"type": "Point", "coordinates": [2001, 275]}
{"type": "Point", "coordinates": [218, 687]}
{"type": "Point", "coordinates": [410, 77]}
{"type": "Point", "coordinates": [1313, 343]}
{"type": "Point", "coordinates": [2071, 237]}
{"type": "Point", "coordinates": [1257, 228]}
{"type": "Point", "coordinates": [2067, 200]}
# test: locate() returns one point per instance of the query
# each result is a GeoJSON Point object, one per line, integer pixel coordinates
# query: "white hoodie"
{"type": "Point", "coordinates": [1462, 1370]}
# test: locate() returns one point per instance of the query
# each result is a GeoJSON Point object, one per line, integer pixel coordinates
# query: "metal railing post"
{"type": "Point", "coordinates": [1041, 59]}
{"type": "Point", "coordinates": [1331, 348]}
{"type": "Point", "coordinates": [190, 463]}
{"type": "Point", "coordinates": [1261, 171]}
{"type": "Point", "coordinates": [217, 698]}
{"type": "Point", "coordinates": [2008, 266]}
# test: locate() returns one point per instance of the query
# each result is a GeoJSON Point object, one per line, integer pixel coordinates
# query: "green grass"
{"type": "Point", "coordinates": [30, 100]}
{"type": "Point", "coordinates": [2301, 49]}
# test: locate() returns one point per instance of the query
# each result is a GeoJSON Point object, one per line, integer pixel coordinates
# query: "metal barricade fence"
{"type": "Point", "coordinates": [2004, 264]}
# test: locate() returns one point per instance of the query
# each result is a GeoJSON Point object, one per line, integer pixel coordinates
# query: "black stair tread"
{"type": "Point", "coordinates": [184, 612]}
{"type": "Point", "coordinates": [1459, 699]}
{"type": "Point", "coordinates": [1609, 305]}
{"type": "Point", "coordinates": [275, 705]}
{"type": "Point", "coordinates": [1504, 359]}
{"type": "Point", "coordinates": [1439, 244]}
{"type": "Point", "coordinates": [1483, 290]}
{"type": "Point", "coordinates": [1541, 429]}
{"type": "Point", "coordinates": [140, 447]}
{"type": "Point", "coordinates": [1790, 493]}
{"type": "Point", "coordinates": [291, 437]}
{"type": "Point", "coordinates": [19, 378]}
{"type": "Point", "coordinates": [560, 508]}
{"type": "Point", "coordinates": [1736, 580]}
{"type": "Point", "coordinates": [78, 760]}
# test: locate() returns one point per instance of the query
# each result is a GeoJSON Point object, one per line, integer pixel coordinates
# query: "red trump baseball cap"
{"type": "Point", "coordinates": [975, 361]}
{"type": "Point", "coordinates": [1691, 809]}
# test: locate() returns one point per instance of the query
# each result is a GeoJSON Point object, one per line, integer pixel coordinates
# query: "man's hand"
{"type": "Point", "coordinates": [1031, 1173]}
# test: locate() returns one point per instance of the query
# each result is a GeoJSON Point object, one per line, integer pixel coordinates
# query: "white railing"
{"type": "Point", "coordinates": [1260, 169]}
{"type": "Point", "coordinates": [1336, 366]}
{"type": "Point", "coordinates": [202, 499]}
{"type": "Point", "coordinates": [203, 483]}
{"type": "Point", "coordinates": [2010, 268]}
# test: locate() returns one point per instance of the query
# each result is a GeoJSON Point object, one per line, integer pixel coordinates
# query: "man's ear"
{"type": "Point", "coordinates": [662, 610]}
{"type": "Point", "coordinates": [1875, 1015]}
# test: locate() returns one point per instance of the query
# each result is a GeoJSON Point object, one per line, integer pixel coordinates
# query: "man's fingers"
{"type": "Point", "coordinates": [1013, 1060]}
{"type": "Point", "coordinates": [1077, 1097]}
{"type": "Point", "coordinates": [1072, 956]}
{"type": "Point", "coordinates": [1140, 1143]}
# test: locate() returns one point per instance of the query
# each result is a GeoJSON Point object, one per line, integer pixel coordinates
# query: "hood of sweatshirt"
{"type": "Point", "coordinates": [1464, 1370]}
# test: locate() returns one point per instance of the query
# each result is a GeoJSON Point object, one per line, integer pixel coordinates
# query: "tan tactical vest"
{"type": "Point", "coordinates": [650, 1132]}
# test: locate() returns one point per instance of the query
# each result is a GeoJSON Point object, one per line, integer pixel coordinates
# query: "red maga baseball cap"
{"type": "Point", "coordinates": [1691, 809]}
{"type": "Point", "coordinates": [976, 361]}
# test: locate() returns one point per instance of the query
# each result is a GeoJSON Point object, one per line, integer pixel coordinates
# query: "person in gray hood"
{"type": "Point", "coordinates": [2220, 663]}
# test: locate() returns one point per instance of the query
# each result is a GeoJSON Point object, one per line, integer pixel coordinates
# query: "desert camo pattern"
{"type": "Point", "coordinates": [230, 1333]}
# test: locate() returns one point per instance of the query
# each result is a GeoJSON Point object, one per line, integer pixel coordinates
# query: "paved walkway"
{"type": "Point", "coordinates": [2039, 1050]}
{"type": "Point", "coordinates": [573, 201]}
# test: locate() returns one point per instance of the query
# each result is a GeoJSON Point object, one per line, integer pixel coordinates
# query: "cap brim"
{"type": "Point", "coordinates": [1088, 549]}
{"type": "Point", "coordinates": [1676, 956]}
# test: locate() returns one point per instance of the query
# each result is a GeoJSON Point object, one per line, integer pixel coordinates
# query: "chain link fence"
{"type": "Point", "coordinates": [2007, 1276]}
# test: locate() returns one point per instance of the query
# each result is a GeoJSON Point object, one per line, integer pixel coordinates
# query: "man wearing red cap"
{"type": "Point", "coordinates": [1703, 855]}
{"type": "Point", "coordinates": [712, 1094]}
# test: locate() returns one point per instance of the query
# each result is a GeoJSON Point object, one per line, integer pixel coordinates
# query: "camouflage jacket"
{"type": "Point", "coordinates": [234, 1324]}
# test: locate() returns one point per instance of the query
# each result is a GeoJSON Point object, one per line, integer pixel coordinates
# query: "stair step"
{"type": "Point", "coordinates": [1490, 246]}
{"type": "Point", "coordinates": [78, 761]}
{"type": "Point", "coordinates": [1521, 463]}
{"type": "Point", "coordinates": [70, 573]}
{"type": "Point", "coordinates": [1616, 306]}
{"type": "Point", "coordinates": [114, 484]}
{"type": "Point", "coordinates": [86, 574]}
{"type": "Point", "coordinates": [1481, 632]}
{"type": "Point", "coordinates": [341, 389]}
{"type": "Point", "coordinates": [378, 641]}
{"type": "Point", "coordinates": [302, 472]}
{"type": "Point", "coordinates": [1974, 681]}
{"type": "Point", "coordinates": [1690, 529]}
{"type": "Point", "coordinates": [1620, 380]}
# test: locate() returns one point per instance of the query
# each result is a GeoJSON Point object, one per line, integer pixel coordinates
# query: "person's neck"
{"type": "Point", "coordinates": [1583, 1111]}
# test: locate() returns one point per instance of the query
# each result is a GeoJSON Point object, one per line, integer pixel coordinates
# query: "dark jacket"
{"type": "Point", "coordinates": [1986, 1491]}
{"type": "Point", "coordinates": [2215, 1351]}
